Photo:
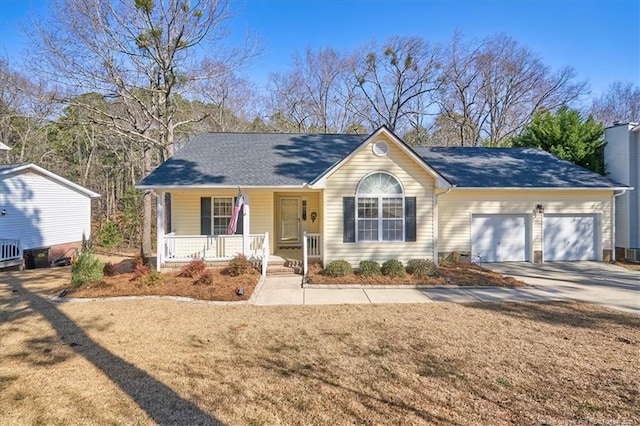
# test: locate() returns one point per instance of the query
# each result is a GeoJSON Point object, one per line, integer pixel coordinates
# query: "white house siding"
{"type": "Point", "coordinates": [343, 183]}
{"type": "Point", "coordinates": [457, 207]}
{"type": "Point", "coordinates": [42, 212]}
{"type": "Point", "coordinates": [621, 161]}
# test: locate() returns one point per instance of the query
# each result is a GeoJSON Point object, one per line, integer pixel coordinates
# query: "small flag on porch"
{"type": "Point", "coordinates": [237, 208]}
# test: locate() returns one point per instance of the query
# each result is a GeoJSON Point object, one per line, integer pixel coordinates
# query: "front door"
{"type": "Point", "coordinates": [289, 220]}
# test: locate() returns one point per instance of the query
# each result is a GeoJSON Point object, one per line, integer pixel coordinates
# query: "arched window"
{"type": "Point", "coordinates": [380, 208]}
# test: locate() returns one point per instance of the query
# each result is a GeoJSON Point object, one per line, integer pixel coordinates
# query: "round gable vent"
{"type": "Point", "coordinates": [380, 148]}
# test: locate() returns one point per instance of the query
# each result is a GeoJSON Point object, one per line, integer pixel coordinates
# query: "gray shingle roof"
{"type": "Point", "coordinates": [279, 159]}
{"type": "Point", "coordinates": [509, 168]}
{"type": "Point", "coordinates": [248, 159]}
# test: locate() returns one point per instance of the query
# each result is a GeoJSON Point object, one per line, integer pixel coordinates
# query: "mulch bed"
{"type": "Point", "coordinates": [122, 283]}
{"type": "Point", "coordinates": [458, 274]}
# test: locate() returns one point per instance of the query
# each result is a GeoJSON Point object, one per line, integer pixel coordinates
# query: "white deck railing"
{"type": "Point", "coordinates": [184, 248]}
{"type": "Point", "coordinates": [10, 249]}
{"type": "Point", "coordinates": [311, 248]}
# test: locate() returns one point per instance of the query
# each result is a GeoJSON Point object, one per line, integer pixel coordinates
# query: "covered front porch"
{"type": "Point", "coordinates": [192, 224]}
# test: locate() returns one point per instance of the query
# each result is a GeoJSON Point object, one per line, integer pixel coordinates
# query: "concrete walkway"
{"type": "Point", "coordinates": [592, 282]}
{"type": "Point", "coordinates": [288, 291]}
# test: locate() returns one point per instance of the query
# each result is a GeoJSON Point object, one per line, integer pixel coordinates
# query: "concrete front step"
{"type": "Point", "coordinates": [283, 270]}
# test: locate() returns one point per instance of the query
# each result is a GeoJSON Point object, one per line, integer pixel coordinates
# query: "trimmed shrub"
{"type": "Point", "coordinates": [87, 269]}
{"type": "Point", "coordinates": [239, 265]}
{"type": "Point", "coordinates": [140, 271]}
{"type": "Point", "coordinates": [109, 235]}
{"type": "Point", "coordinates": [205, 278]}
{"type": "Point", "coordinates": [146, 277]}
{"type": "Point", "coordinates": [393, 268]}
{"type": "Point", "coordinates": [151, 279]}
{"type": "Point", "coordinates": [422, 268]}
{"type": "Point", "coordinates": [338, 268]}
{"type": "Point", "coordinates": [369, 268]}
{"type": "Point", "coordinates": [193, 268]}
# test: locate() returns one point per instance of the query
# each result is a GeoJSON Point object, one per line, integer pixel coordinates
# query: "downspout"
{"type": "Point", "coordinates": [613, 224]}
{"type": "Point", "coordinates": [436, 224]}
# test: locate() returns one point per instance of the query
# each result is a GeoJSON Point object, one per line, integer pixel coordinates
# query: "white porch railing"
{"type": "Point", "coordinates": [311, 248]}
{"type": "Point", "coordinates": [265, 254]}
{"type": "Point", "coordinates": [10, 250]}
{"type": "Point", "coordinates": [184, 248]}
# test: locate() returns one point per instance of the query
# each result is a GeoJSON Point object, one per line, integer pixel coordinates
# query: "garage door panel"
{"type": "Point", "coordinates": [570, 237]}
{"type": "Point", "coordinates": [499, 238]}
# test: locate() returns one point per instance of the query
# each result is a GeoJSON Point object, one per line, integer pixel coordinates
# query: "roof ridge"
{"type": "Point", "coordinates": [279, 133]}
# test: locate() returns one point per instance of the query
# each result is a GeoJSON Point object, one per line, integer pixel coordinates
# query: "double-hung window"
{"type": "Point", "coordinates": [215, 215]}
{"type": "Point", "coordinates": [380, 208]}
{"type": "Point", "coordinates": [222, 211]}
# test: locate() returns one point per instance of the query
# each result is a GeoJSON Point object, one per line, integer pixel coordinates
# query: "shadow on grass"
{"type": "Point", "coordinates": [571, 314]}
{"type": "Point", "coordinates": [161, 403]}
{"type": "Point", "coordinates": [367, 399]}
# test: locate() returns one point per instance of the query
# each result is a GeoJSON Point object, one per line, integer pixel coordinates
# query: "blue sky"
{"type": "Point", "coordinates": [599, 38]}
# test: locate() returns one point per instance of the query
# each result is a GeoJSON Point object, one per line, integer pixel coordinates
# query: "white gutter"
{"type": "Point", "coordinates": [498, 188]}
{"type": "Point", "coordinates": [235, 187]}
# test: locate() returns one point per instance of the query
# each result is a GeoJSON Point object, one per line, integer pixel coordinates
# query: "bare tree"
{"type": "Point", "coordinates": [314, 95]}
{"type": "Point", "coordinates": [397, 82]}
{"type": "Point", "coordinates": [493, 88]}
{"type": "Point", "coordinates": [140, 54]}
{"type": "Point", "coordinates": [25, 108]}
{"type": "Point", "coordinates": [620, 102]}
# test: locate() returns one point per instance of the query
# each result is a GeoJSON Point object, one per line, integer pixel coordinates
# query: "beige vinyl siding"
{"type": "Point", "coordinates": [343, 183]}
{"type": "Point", "coordinates": [185, 210]}
{"type": "Point", "coordinates": [456, 208]}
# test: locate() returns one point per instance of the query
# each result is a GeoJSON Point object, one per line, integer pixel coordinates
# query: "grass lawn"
{"type": "Point", "coordinates": [168, 362]}
{"type": "Point", "coordinates": [628, 265]}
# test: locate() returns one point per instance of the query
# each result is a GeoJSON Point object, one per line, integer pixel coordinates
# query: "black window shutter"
{"type": "Point", "coordinates": [205, 216]}
{"type": "Point", "coordinates": [240, 224]}
{"type": "Point", "coordinates": [410, 219]}
{"type": "Point", "coordinates": [349, 219]}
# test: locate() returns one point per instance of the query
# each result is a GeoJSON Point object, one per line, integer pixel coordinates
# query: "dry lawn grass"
{"type": "Point", "coordinates": [167, 362]}
{"type": "Point", "coordinates": [460, 274]}
{"type": "Point", "coordinates": [628, 265]}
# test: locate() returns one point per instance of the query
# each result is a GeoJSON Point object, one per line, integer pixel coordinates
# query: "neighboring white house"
{"type": "Point", "coordinates": [39, 209]}
{"type": "Point", "coordinates": [622, 159]}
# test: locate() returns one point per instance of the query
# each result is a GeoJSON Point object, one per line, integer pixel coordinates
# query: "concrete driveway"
{"type": "Point", "coordinates": [595, 282]}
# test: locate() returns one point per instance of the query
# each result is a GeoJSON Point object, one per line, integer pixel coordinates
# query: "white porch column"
{"type": "Point", "coordinates": [159, 229]}
{"type": "Point", "coordinates": [246, 231]}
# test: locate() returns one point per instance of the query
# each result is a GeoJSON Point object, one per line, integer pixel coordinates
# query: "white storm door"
{"type": "Point", "coordinates": [569, 237]}
{"type": "Point", "coordinates": [499, 238]}
{"type": "Point", "coordinates": [290, 220]}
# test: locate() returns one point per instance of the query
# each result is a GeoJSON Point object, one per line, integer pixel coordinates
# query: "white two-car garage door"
{"type": "Point", "coordinates": [500, 238]}
{"type": "Point", "coordinates": [570, 237]}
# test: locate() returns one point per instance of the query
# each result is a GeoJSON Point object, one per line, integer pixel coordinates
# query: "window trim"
{"type": "Point", "coordinates": [380, 218]}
